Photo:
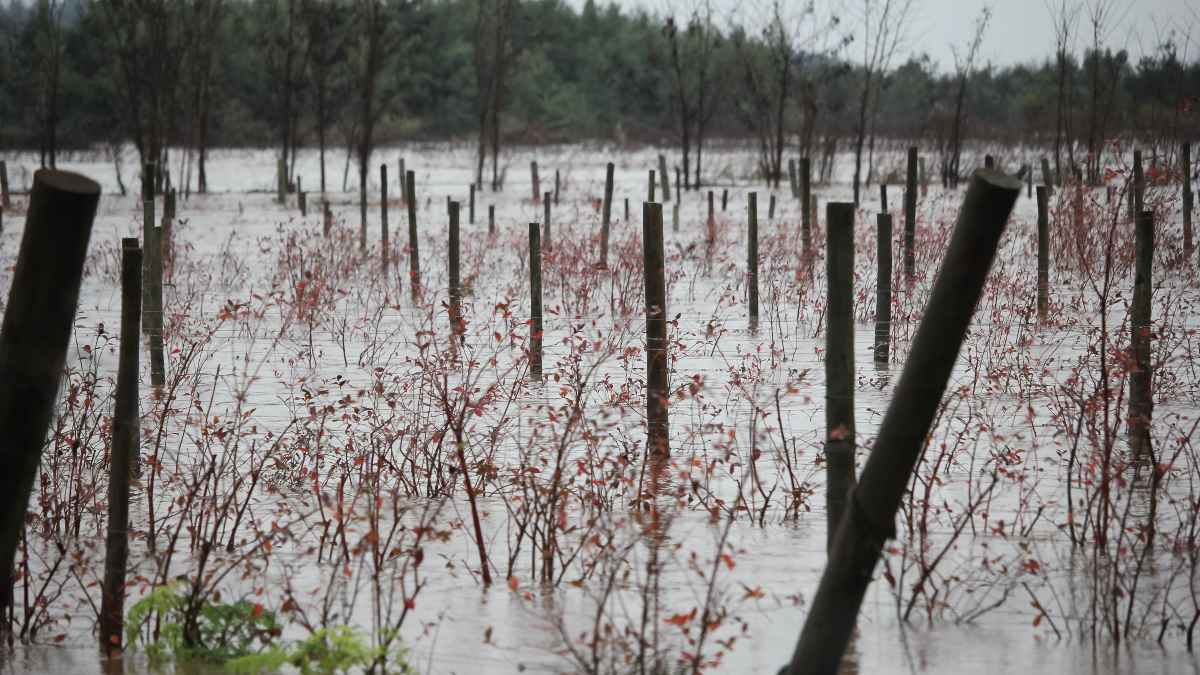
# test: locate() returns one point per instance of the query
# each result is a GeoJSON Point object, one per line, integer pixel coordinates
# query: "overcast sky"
{"type": "Point", "coordinates": [1020, 30]}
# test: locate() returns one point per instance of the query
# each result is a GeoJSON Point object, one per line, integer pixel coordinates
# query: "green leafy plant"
{"type": "Point", "coordinates": [190, 628]}
{"type": "Point", "coordinates": [327, 651]}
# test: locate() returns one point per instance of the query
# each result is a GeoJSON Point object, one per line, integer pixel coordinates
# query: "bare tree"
{"type": "Point", "coordinates": [1065, 16]}
{"type": "Point", "coordinates": [884, 24]}
{"type": "Point", "coordinates": [283, 53]}
{"type": "Point", "coordinates": [206, 34]}
{"type": "Point", "coordinates": [325, 36]}
{"type": "Point", "coordinates": [964, 66]}
{"type": "Point", "coordinates": [494, 54]}
{"type": "Point", "coordinates": [692, 59]}
{"type": "Point", "coordinates": [1103, 70]}
{"type": "Point", "coordinates": [46, 49]}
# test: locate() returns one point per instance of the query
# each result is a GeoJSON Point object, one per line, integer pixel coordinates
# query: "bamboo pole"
{"type": "Point", "coordinates": [874, 502]}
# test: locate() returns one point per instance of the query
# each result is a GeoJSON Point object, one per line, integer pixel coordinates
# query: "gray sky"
{"type": "Point", "coordinates": [1019, 31]}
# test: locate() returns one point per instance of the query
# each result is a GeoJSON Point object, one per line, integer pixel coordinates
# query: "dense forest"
{"type": "Point", "coordinates": [196, 74]}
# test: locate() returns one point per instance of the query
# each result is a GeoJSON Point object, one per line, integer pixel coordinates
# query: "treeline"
{"type": "Point", "coordinates": [187, 75]}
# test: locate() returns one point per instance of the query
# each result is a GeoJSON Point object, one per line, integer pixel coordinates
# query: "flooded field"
{"type": "Point", "coordinates": [329, 465]}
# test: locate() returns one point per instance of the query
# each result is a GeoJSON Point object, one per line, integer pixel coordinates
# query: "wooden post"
{"type": "Point", "coordinates": [457, 326]}
{"type": "Point", "coordinates": [658, 394]}
{"type": "Point", "coordinates": [152, 275]}
{"type": "Point", "coordinates": [36, 331]}
{"type": "Point", "coordinates": [792, 180]}
{"type": "Point", "coordinates": [678, 186]}
{"type": "Point", "coordinates": [710, 236]}
{"type": "Point", "coordinates": [414, 255]}
{"type": "Point", "coordinates": [627, 209]}
{"type": "Point", "coordinates": [328, 217]}
{"type": "Point", "coordinates": [752, 258]}
{"type": "Point", "coordinates": [883, 288]}
{"type": "Point", "coordinates": [403, 176]}
{"type": "Point", "coordinates": [806, 216]}
{"type": "Point", "coordinates": [664, 177]}
{"type": "Point", "coordinates": [1186, 159]}
{"type": "Point", "coordinates": [924, 177]}
{"type": "Point", "coordinates": [839, 362]}
{"type": "Point", "coordinates": [910, 215]}
{"type": "Point", "coordinates": [675, 215]}
{"type": "Point", "coordinates": [1047, 177]}
{"type": "Point", "coordinates": [302, 201]}
{"type": "Point", "coordinates": [606, 214]}
{"type": "Point", "coordinates": [1043, 253]}
{"type": "Point", "coordinates": [989, 162]}
{"type": "Point", "coordinates": [546, 222]}
{"type": "Point", "coordinates": [650, 187]}
{"type": "Point", "coordinates": [724, 199]}
{"type": "Point", "coordinates": [535, 303]}
{"type": "Point", "coordinates": [537, 186]}
{"type": "Point", "coordinates": [883, 205]}
{"type": "Point", "coordinates": [874, 502]}
{"type": "Point", "coordinates": [123, 459]}
{"type": "Point", "coordinates": [1137, 198]}
{"type": "Point", "coordinates": [4, 200]}
{"type": "Point", "coordinates": [771, 208]}
{"type": "Point", "coordinates": [280, 180]}
{"type": "Point", "coordinates": [1141, 401]}
{"type": "Point", "coordinates": [471, 204]}
{"type": "Point", "coordinates": [491, 219]}
{"type": "Point", "coordinates": [1029, 181]}
{"type": "Point", "coordinates": [383, 209]}
{"type": "Point", "coordinates": [556, 187]}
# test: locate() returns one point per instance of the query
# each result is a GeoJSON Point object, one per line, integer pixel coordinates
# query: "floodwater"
{"type": "Point", "coordinates": [1009, 592]}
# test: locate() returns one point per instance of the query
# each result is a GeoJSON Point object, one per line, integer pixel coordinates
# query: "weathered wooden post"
{"type": "Point", "coordinates": [535, 303]}
{"type": "Point", "coordinates": [627, 209]}
{"type": "Point", "coordinates": [839, 362]}
{"type": "Point", "coordinates": [910, 215]}
{"type": "Point", "coordinates": [724, 199]}
{"type": "Point", "coordinates": [924, 177]}
{"type": "Point", "coordinates": [658, 444]}
{"type": "Point", "coordinates": [414, 255]}
{"type": "Point", "coordinates": [152, 275]}
{"type": "Point", "coordinates": [606, 214]}
{"type": "Point", "coordinates": [4, 199]}
{"type": "Point", "coordinates": [491, 219]}
{"type": "Point", "coordinates": [664, 177]}
{"type": "Point", "coordinates": [650, 187]}
{"type": "Point", "coordinates": [806, 214]}
{"type": "Point", "coordinates": [675, 212]}
{"type": "Point", "coordinates": [1141, 401]}
{"type": "Point", "coordinates": [752, 257]}
{"type": "Point", "coordinates": [1043, 253]}
{"type": "Point", "coordinates": [1186, 159]}
{"type": "Point", "coordinates": [546, 222]}
{"type": "Point", "coordinates": [36, 331]}
{"type": "Point", "coordinates": [302, 202]}
{"type": "Point", "coordinates": [403, 176]}
{"type": "Point", "coordinates": [710, 237]}
{"type": "Point", "coordinates": [883, 205]}
{"type": "Point", "coordinates": [678, 186]}
{"type": "Point", "coordinates": [989, 162]}
{"type": "Point", "coordinates": [1136, 197]}
{"type": "Point", "coordinates": [537, 186]}
{"type": "Point", "coordinates": [280, 180]}
{"type": "Point", "coordinates": [556, 187]}
{"type": "Point", "coordinates": [883, 288]}
{"type": "Point", "coordinates": [471, 205]}
{"type": "Point", "coordinates": [383, 215]}
{"type": "Point", "coordinates": [1029, 180]}
{"type": "Point", "coordinates": [771, 208]}
{"type": "Point", "coordinates": [123, 459]}
{"type": "Point", "coordinates": [874, 502]}
{"type": "Point", "coordinates": [457, 325]}
{"type": "Point", "coordinates": [328, 217]}
{"type": "Point", "coordinates": [792, 180]}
